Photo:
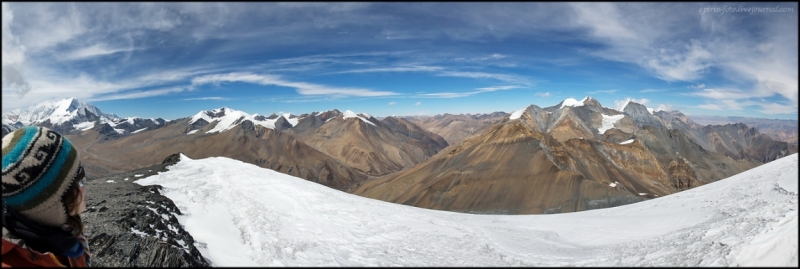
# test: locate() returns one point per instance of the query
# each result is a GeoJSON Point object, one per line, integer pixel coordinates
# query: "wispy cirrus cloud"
{"type": "Point", "coordinates": [732, 103]}
{"type": "Point", "coordinates": [665, 107]}
{"type": "Point", "coordinates": [469, 93]}
{"type": "Point", "coordinates": [484, 75]}
{"type": "Point", "coordinates": [94, 51]}
{"type": "Point", "coordinates": [392, 69]}
{"type": "Point", "coordinates": [603, 92]}
{"type": "Point", "coordinates": [710, 106]}
{"type": "Point", "coordinates": [210, 98]}
{"type": "Point", "coordinates": [722, 93]}
{"type": "Point", "coordinates": [697, 86]}
{"type": "Point", "coordinates": [302, 88]}
{"type": "Point", "coordinates": [543, 94]}
{"type": "Point", "coordinates": [137, 94]}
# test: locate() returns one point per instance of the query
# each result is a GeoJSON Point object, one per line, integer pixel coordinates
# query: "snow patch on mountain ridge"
{"type": "Point", "coordinates": [350, 114]}
{"type": "Point", "coordinates": [608, 122]}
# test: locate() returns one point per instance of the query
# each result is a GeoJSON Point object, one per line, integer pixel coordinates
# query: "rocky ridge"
{"type": "Point", "coordinates": [129, 225]}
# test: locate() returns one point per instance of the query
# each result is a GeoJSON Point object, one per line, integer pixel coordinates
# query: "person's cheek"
{"type": "Point", "coordinates": [82, 206]}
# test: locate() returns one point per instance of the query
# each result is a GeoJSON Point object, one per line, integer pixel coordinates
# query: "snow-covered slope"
{"type": "Point", "coordinates": [350, 114]}
{"type": "Point", "coordinates": [252, 216]}
{"type": "Point", "coordinates": [608, 122]}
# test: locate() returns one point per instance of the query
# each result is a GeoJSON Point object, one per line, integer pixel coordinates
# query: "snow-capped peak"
{"type": "Point", "coordinates": [57, 112]}
{"type": "Point", "coordinates": [517, 114]}
{"type": "Point", "coordinates": [350, 114]}
{"type": "Point", "coordinates": [228, 118]}
{"type": "Point", "coordinates": [572, 102]}
{"type": "Point", "coordinates": [627, 102]}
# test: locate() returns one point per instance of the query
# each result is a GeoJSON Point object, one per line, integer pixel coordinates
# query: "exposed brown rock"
{"type": "Point", "coordinates": [454, 128]}
{"type": "Point", "coordinates": [375, 149]}
{"type": "Point", "coordinates": [246, 142]}
{"type": "Point", "coordinates": [681, 175]}
{"type": "Point", "coordinates": [554, 160]}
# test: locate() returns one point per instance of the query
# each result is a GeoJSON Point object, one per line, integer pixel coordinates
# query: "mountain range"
{"type": "Point", "coordinates": [573, 156]}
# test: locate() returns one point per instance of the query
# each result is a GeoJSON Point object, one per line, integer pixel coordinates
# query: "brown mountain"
{"type": "Point", "coordinates": [780, 130]}
{"type": "Point", "coordinates": [245, 141]}
{"type": "Point", "coordinates": [366, 144]}
{"type": "Point", "coordinates": [570, 157]}
{"type": "Point", "coordinates": [454, 128]}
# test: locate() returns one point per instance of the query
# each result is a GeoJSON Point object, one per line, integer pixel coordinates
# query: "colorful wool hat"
{"type": "Point", "coordinates": [39, 165]}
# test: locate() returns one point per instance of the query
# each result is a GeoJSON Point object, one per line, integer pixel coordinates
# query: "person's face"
{"type": "Point", "coordinates": [82, 206]}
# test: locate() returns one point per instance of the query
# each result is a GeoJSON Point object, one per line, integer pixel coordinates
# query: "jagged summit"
{"type": "Point", "coordinates": [66, 116]}
{"type": "Point", "coordinates": [571, 102]}
{"type": "Point", "coordinates": [58, 112]}
{"type": "Point", "coordinates": [642, 115]}
{"type": "Point", "coordinates": [364, 117]}
{"type": "Point", "coordinates": [628, 102]}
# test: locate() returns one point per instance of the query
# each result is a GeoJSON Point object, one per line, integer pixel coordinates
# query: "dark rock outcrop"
{"type": "Point", "coordinates": [129, 225]}
{"type": "Point", "coordinates": [282, 124]}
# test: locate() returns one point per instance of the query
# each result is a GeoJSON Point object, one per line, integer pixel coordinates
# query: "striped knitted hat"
{"type": "Point", "coordinates": [39, 165]}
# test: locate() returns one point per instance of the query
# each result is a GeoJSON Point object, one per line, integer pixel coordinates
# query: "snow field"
{"type": "Point", "coordinates": [608, 122]}
{"type": "Point", "coordinates": [248, 215]}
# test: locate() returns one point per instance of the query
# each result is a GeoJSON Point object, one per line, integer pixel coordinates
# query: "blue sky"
{"type": "Point", "coordinates": [172, 60]}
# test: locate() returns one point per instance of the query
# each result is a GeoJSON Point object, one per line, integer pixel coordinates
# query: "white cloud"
{"type": "Point", "coordinates": [762, 106]}
{"type": "Point", "coordinates": [14, 81]}
{"type": "Point", "coordinates": [543, 94]}
{"type": "Point", "coordinates": [497, 56]}
{"type": "Point", "coordinates": [417, 103]}
{"type": "Point", "coordinates": [722, 94]}
{"type": "Point", "coordinates": [301, 87]}
{"type": "Point", "coordinates": [137, 94]}
{"type": "Point", "coordinates": [650, 90]}
{"type": "Point", "coordinates": [775, 108]}
{"type": "Point", "coordinates": [603, 91]}
{"type": "Point", "coordinates": [440, 71]}
{"type": "Point", "coordinates": [93, 51]}
{"type": "Point", "coordinates": [760, 59]}
{"type": "Point", "coordinates": [392, 69]}
{"type": "Point", "coordinates": [13, 58]}
{"type": "Point", "coordinates": [215, 98]}
{"type": "Point", "coordinates": [392, 103]}
{"type": "Point", "coordinates": [697, 86]}
{"type": "Point", "coordinates": [685, 64]}
{"type": "Point", "coordinates": [498, 88]}
{"type": "Point", "coordinates": [484, 75]}
{"type": "Point", "coordinates": [710, 106]}
{"type": "Point", "coordinates": [464, 94]}
{"type": "Point", "coordinates": [665, 107]}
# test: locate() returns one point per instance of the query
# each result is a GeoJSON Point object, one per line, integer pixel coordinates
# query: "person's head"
{"type": "Point", "coordinates": [43, 178]}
